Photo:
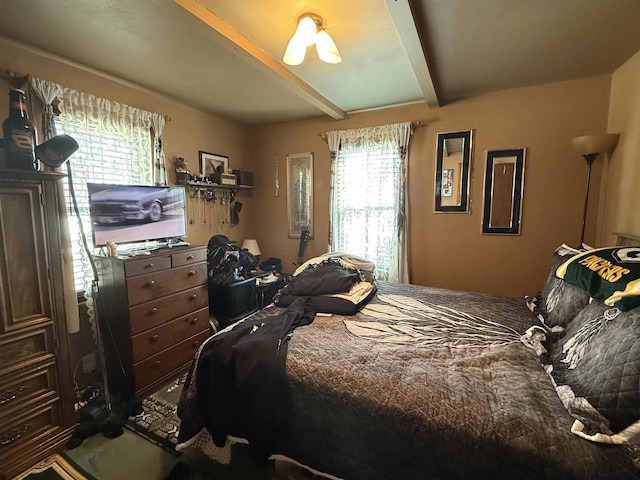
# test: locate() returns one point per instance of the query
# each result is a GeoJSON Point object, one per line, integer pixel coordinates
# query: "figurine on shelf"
{"type": "Point", "coordinates": [183, 176]}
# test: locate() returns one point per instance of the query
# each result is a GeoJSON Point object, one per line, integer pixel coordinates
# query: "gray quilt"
{"type": "Point", "coordinates": [432, 384]}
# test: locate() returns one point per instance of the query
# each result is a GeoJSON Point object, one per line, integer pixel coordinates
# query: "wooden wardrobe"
{"type": "Point", "coordinates": [36, 388]}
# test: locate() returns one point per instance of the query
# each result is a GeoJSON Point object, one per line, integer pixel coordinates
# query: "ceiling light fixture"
{"type": "Point", "coordinates": [309, 31]}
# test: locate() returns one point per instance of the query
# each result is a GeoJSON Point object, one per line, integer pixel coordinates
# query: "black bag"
{"type": "Point", "coordinates": [271, 264]}
{"type": "Point", "coordinates": [227, 262]}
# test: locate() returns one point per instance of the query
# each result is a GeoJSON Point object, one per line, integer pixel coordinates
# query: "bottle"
{"type": "Point", "coordinates": [19, 132]}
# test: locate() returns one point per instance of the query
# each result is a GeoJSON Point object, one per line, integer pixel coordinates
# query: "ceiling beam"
{"type": "Point", "coordinates": [262, 60]}
{"type": "Point", "coordinates": [404, 20]}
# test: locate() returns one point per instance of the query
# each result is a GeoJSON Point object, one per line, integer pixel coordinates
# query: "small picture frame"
{"type": "Point", "coordinates": [209, 163]}
{"type": "Point", "coordinates": [447, 182]}
{"type": "Point", "coordinates": [300, 193]}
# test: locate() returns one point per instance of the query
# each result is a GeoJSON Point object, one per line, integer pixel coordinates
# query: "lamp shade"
{"type": "Point", "coordinates": [252, 245]}
{"type": "Point", "coordinates": [326, 48]}
{"type": "Point", "coordinates": [590, 144]}
{"type": "Point", "coordinates": [57, 150]}
{"type": "Point", "coordinates": [295, 52]}
{"type": "Point", "coordinates": [310, 30]}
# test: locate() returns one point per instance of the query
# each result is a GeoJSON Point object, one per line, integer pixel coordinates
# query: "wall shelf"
{"type": "Point", "coordinates": [216, 186]}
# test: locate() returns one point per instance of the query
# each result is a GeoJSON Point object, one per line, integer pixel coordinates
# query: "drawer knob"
{"type": "Point", "coordinates": [196, 343]}
{"type": "Point", "coordinates": [193, 296]}
{"type": "Point", "coordinates": [157, 363]}
{"type": "Point", "coordinates": [194, 321]}
{"type": "Point", "coordinates": [151, 283]}
{"type": "Point", "coordinates": [192, 273]}
{"type": "Point", "coordinates": [154, 338]}
{"type": "Point", "coordinates": [150, 265]}
{"type": "Point", "coordinates": [189, 257]}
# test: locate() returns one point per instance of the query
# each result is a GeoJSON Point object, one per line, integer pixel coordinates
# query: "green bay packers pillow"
{"type": "Point", "coordinates": [611, 275]}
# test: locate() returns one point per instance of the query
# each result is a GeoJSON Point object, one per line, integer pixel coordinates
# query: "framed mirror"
{"type": "Point", "coordinates": [453, 164]}
{"type": "Point", "coordinates": [300, 193]}
{"type": "Point", "coordinates": [503, 188]}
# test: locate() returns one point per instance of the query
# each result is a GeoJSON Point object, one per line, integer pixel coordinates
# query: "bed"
{"type": "Point", "coordinates": [423, 382]}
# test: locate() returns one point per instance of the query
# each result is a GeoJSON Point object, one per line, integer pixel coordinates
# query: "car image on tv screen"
{"type": "Point", "coordinates": [134, 213]}
{"type": "Point", "coordinates": [120, 205]}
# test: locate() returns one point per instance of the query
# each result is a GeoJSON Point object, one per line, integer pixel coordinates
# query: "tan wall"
{"type": "Point", "coordinates": [619, 206]}
{"type": "Point", "coordinates": [189, 130]}
{"type": "Point", "coordinates": [448, 250]}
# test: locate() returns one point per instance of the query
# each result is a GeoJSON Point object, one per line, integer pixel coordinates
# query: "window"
{"type": "Point", "coordinates": [367, 184]}
{"type": "Point", "coordinates": [115, 147]}
{"type": "Point", "coordinates": [368, 207]}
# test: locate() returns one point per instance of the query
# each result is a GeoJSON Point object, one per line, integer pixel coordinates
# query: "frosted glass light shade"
{"type": "Point", "coordinates": [307, 31]}
{"type": "Point", "coordinates": [295, 52]}
{"type": "Point", "coordinates": [326, 48]}
{"type": "Point", "coordinates": [252, 245]}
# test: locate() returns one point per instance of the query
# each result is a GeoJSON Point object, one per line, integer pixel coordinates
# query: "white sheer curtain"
{"type": "Point", "coordinates": [47, 92]}
{"type": "Point", "coordinates": [115, 148]}
{"type": "Point", "coordinates": [160, 168]}
{"type": "Point", "coordinates": [368, 214]}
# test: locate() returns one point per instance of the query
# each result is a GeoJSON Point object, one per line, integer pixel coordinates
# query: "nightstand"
{"type": "Point", "coordinates": [267, 285]}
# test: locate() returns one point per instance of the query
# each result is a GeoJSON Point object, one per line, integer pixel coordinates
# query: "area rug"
{"type": "Point", "coordinates": [159, 422]}
{"type": "Point", "coordinates": [57, 467]}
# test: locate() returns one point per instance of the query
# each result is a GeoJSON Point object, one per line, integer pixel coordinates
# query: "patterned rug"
{"type": "Point", "coordinates": [57, 467]}
{"type": "Point", "coordinates": [158, 421]}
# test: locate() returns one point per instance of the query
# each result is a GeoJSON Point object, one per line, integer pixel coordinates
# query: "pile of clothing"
{"type": "Point", "coordinates": [337, 283]}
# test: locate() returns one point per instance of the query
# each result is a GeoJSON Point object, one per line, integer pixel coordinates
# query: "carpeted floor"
{"type": "Point", "coordinates": [146, 450]}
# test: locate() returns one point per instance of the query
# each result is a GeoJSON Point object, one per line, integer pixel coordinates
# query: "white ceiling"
{"type": "Point", "coordinates": [468, 47]}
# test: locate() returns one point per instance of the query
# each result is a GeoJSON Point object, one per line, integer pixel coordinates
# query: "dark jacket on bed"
{"type": "Point", "coordinates": [242, 385]}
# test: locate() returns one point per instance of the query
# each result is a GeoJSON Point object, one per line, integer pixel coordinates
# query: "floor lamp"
{"type": "Point", "coordinates": [54, 153]}
{"type": "Point", "coordinates": [590, 146]}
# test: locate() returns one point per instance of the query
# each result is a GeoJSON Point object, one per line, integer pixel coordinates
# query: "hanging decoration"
{"type": "Point", "coordinates": [277, 178]}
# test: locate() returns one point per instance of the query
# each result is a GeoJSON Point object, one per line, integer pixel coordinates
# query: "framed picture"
{"type": "Point", "coordinates": [209, 163]}
{"type": "Point", "coordinates": [447, 182]}
{"type": "Point", "coordinates": [300, 193]}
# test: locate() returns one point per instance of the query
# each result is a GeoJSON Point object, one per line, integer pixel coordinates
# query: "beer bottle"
{"type": "Point", "coordinates": [19, 132]}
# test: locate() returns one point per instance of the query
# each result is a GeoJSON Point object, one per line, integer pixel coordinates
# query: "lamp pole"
{"type": "Point", "coordinates": [590, 158]}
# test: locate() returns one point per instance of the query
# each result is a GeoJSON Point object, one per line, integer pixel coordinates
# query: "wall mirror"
{"type": "Point", "coordinates": [453, 164]}
{"type": "Point", "coordinates": [300, 193]}
{"type": "Point", "coordinates": [503, 187]}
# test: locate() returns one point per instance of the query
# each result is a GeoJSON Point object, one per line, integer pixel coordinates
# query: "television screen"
{"type": "Point", "coordinates": [136, 213]}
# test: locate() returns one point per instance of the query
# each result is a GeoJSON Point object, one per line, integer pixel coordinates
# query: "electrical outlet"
{"type": "Point", "coordinates": [89, 363]}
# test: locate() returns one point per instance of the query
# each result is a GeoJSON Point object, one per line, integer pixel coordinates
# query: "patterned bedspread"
{"type": "Point", "coordinates": [430, 383]}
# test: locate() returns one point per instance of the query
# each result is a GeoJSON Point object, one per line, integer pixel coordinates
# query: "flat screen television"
{"type": "Point", "coordinates": [136, 213]}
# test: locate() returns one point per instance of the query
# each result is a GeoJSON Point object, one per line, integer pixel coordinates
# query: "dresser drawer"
{"type": "Point", "coordinates": [33, 425]}
{"type": "Point", "coordinates": [157, 339]}
{"type": "Point", "coordinates": [168, 360]}
{"type": "Point", "coordinates": [152, 314]}
{"type": "Point", "coordinates": [146, 265]}
{"type": "Point", "coordinates": [28, 348]}
{"type": "Point", "coordinates": [25, 389]}
{"type": "Point", "coordinates": [187, 258]}
{"type": "Point", "coordinates": [154, 285]}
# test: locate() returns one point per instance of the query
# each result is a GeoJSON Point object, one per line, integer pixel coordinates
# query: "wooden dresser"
{"type": "Point", "coordinates": [36, 389]}
{"type": "Point", "coordinates": [154, 313]}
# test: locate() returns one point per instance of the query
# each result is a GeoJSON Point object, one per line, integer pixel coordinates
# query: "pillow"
{"type": "Point", "coordinates": [341, 304]}
{"type": "Point", "coordinates": [611, 275]}
{"type": "Point", "coordinates": [327, 277]}
{"type": "Point", "coordinates": [596, 371]}
{"type": "Point", "coordinates": [558, 302]}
